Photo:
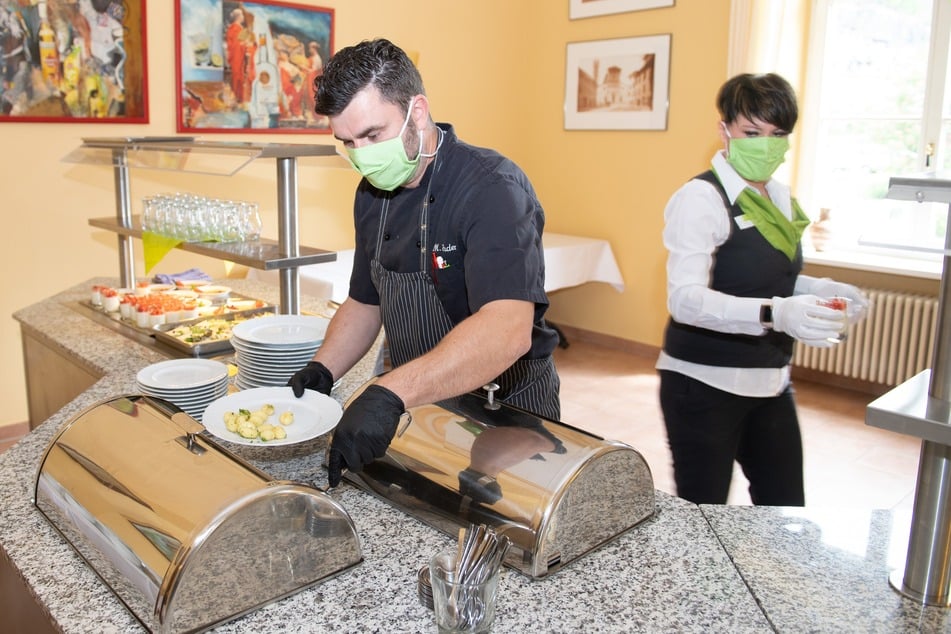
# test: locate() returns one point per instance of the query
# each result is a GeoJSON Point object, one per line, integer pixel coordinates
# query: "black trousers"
{"type": "Point", "coordinates": [707, 429]}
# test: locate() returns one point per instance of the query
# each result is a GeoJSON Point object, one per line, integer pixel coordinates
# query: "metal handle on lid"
{"type": "Point", "coordinates": [490, 389]}
{"type": "Point", "coordinates": [192, 428]}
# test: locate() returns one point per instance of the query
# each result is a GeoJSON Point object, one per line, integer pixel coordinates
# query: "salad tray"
{"type": "Point", "coordinates": [206, 336]}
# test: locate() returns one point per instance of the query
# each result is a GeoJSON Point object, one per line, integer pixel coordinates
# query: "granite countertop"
{"type": "Point", "coordinates": [687, 569]}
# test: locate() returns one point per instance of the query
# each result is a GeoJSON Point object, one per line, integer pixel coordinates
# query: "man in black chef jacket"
{"type": "Point", "coordinates": [448, 260]}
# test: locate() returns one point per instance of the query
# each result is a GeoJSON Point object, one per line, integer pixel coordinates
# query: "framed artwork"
{"type": "Point", "coordinates": [619, 84]}
{"type": "Point", "coordinates": [73, 61]}
{"type": "Point", "coordinates": [249, 65]}
{"type": "Point", "coordinates": [589, 8]}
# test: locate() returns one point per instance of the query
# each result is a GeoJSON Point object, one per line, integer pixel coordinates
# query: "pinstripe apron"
{"type": "Point", "coordinates": [415, 321]}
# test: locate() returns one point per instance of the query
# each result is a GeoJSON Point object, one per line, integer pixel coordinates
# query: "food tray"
{"type": "Point", "coordinates": [150, 330]}
{"type": "Point", "coordinates": [205, 348]}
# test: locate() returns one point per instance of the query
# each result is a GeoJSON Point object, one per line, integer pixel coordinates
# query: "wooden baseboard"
{"type": "Point", "coordinates": [609, 341]}
{"type": "Point", "coordinates": [14, 431]}
{"type": "Point", "coordinates": [11, 434]}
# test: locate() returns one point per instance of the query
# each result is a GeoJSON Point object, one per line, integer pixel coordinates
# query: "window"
{"type": "Point", "coordinates": [877, 104]}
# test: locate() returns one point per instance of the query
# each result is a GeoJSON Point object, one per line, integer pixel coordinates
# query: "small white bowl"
{"type": "Point", "coordinates": [182, 294]}
{"type": "Point", "coordinates": [190, 284]}
{"type": "Point", "coordinates": [244, 304]}
{"type": "Point", "coordinates": [214, 292]}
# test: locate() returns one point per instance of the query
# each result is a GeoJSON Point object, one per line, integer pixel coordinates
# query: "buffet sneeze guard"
{"type": "Point", "coordinates": [186, 534]}
{"type": "Point", "coordinates": [557, 492]}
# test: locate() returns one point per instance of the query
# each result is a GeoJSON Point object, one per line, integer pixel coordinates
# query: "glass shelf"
{"type": "Point", "coordinates": [224, 158]}
{"type": "Point", "coordinates": [259, 254]}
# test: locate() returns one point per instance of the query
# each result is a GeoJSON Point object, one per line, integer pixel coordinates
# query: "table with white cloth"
{"type": "Point", "coordinates": [569, 261]}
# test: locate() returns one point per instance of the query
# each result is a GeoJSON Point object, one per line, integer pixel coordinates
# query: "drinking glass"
{"type": "Point", "coordinates": [148, 213]}
{"type": "Point", "coordinates": [251, 220]}
{"type": "Point", "coordinates": [843, 304]}
{"type": "Point", "coordinates": [231, 222]}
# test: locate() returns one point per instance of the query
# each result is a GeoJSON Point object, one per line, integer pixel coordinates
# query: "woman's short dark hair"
{"type": "Point", "coordinates": [766, 97]}
{"type": "Point", "coordinates": [378, 62]}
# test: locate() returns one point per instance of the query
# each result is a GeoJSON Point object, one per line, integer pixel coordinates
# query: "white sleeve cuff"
{"type": "Point", "coordinates": [744, 312]}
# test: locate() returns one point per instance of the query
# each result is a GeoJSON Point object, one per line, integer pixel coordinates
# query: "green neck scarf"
{"type": "Point", "coordinates": [779, 231]}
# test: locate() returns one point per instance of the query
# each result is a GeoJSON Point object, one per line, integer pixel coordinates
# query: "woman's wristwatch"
{"type": "Point", "coordinates": [766, 316]}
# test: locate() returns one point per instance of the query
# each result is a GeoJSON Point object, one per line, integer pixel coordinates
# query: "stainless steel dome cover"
{"type": "Point", "coordinates": [185, 533]}
{"type": "Point", "coordinates": [557, 492]}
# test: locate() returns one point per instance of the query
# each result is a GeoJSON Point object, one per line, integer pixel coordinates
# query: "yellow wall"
{"type": "Point", "coordinates": [494, 68]}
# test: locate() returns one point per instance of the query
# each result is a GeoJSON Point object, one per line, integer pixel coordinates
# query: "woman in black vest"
{"type": "Point", "coordinates": [737, 301]}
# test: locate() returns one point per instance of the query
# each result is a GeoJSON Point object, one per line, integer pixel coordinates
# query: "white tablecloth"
{"type": "Point", "coordinates": [573, 260]}
{"type": "Point", "coordinates": [569, 261]}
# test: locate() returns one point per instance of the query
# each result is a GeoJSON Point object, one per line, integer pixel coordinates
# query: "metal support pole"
{"type": "Point", "coordinates": [288, 239]}
{"type": "Point", "coordinates": [124, 218]}
{"type": "Point", "coordinates": [927, 573]}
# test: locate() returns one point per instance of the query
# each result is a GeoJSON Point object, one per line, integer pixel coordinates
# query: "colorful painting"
{"type": "Point", "coordinates": [73, 61]}
{"type": "Point", "coordinates": [250, 66]}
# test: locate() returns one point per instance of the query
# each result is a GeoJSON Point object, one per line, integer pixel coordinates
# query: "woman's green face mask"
{"type": "Point", "coordinates": [756, 158]}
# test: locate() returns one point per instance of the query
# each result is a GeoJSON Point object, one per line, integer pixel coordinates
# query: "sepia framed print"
{"type": "Point", "coordinates": [619, 84]}
{"type": "Point", "coordinates": [590, 8]}
{"type": "Point", "coordinates": [249, 65]}
{"type": "Point", "coordinates": [73, 62]}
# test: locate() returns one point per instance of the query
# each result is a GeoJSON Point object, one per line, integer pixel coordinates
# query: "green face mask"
{"type": "Point", "coordinates": [755, 158]}
{"type": "Point", "coordinates": [385, 164]}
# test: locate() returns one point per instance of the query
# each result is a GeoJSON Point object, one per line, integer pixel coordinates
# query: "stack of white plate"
{"type": "Point", "coordinates": [191, 384]}
{"type": "Point", "coordinates": [268, 350]}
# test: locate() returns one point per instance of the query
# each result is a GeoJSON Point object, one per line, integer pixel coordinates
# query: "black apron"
{"type": "Point", "coordinates": [415, 321]}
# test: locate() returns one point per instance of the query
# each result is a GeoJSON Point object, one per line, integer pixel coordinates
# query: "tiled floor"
{"type": "Point", "coordinates": [614, 394]}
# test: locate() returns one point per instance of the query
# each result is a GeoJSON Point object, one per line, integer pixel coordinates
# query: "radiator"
{"type": "Point", "coordinates": [894, 343]}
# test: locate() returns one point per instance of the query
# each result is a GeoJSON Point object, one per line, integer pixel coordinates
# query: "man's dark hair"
{"type": "Point", "coordinates": [378, 62]}
{"type": "Point", "coordinates": [766, 97]}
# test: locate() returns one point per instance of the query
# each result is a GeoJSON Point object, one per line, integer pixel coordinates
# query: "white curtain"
{"type": "Point", "coordinates": [768, 36]}
{"type": "Point", "coordinates": [771, 36]}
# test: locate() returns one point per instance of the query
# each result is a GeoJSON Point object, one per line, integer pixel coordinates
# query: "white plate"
{"type": "Point", "coordinates": [204, 388]}
{"type": "Point", "coordinates": [283, 330]}
{"type": "Point", "coordinates": [182, 373]}
{"type": "Point", "coordinates": [263, 365]}
{"type": "Point", "coordinates": [209, 394]}
{"type": "Point", "coordinates": [272, 349]}
{"type": "Point", "coordinates": [314, 414]}
{"type": "Point", "coordinates": [266, 374]}
{"type": "Point", "coordinates": [276, 357]}
{"type": "Point", "coordinates": [192, 402]}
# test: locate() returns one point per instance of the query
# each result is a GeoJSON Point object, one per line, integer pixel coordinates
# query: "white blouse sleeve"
{"type": "Point", "coordinates": [696, 223]}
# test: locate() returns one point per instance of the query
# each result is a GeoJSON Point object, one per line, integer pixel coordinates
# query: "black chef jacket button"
{"type": "Point", "coordinates": [418, 244]}
{"type": "Point", "coordinates": [386, 236]}
{"type": "Point", "coordinates": [432, 199]}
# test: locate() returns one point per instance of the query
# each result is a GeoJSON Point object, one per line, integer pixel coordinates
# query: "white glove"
{"type": "Point", "coordinates": [805, 319]}
{"type": "Point", "coordinates": [858, 302]}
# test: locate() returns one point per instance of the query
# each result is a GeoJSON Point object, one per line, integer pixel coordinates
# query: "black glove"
{"type": "Point", "coordinates": [364, 431]}
{"type": "Point", "coordinates": [314, 376]}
